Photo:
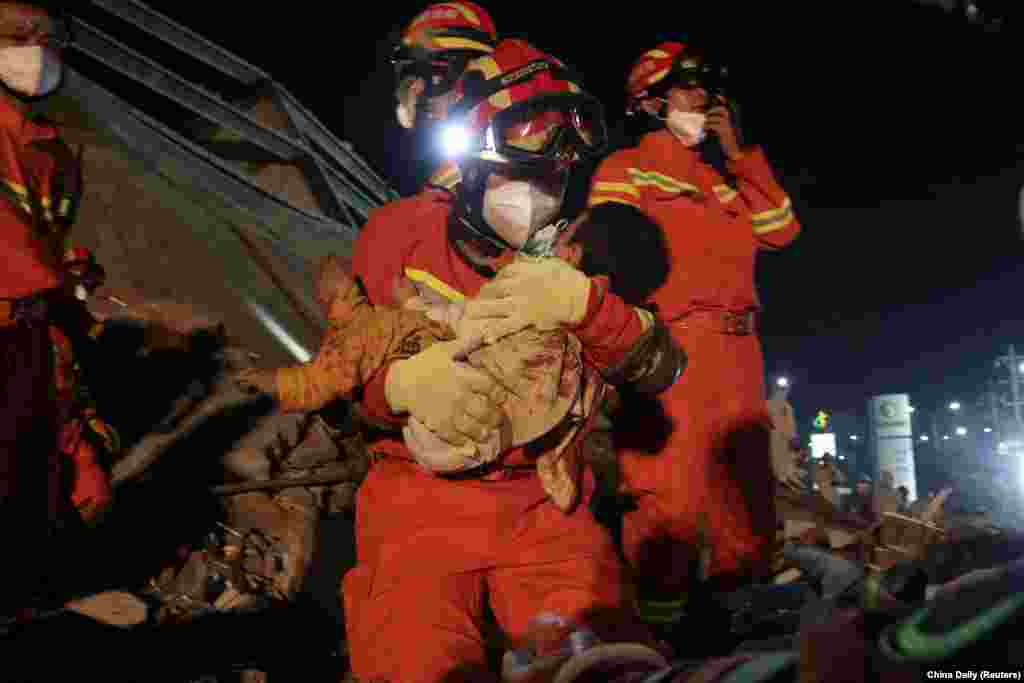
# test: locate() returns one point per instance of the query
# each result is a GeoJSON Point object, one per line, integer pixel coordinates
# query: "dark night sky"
{"type": "Point", "coordinates": [893, 126]}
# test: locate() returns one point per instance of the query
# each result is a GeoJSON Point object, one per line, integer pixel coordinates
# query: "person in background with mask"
{"type": "Point", "coordinates": [39, 190]}
{"type": "Point", "coordinates": [432, 548]}
{"type": "Point", "coordinates": [718, 204]}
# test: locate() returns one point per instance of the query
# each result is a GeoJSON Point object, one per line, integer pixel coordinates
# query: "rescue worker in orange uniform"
{"type": "Point", "coordinates": [713, 478]}
{"type": "Point", "coordinates": [38, 195]}
{"type": "Point", "coordinates": [716, 466]}
{"type": "Point", "coordinates": [431, 549]}
{"type": "Point", "coordinates": [432, 53]}
{"type": "Point", "coordinates": [87, 441]}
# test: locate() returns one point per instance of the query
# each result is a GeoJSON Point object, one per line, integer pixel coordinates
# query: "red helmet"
{"type": "Point", "coordinates": [440, 41]}
{"type": "Point", "coordinates": [519, 106]}
{"type": "Point", "coordinates": [671, 65]}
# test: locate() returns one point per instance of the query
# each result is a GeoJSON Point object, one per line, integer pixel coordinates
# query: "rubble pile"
{"type": "Point", "coordinates": [274, 474]}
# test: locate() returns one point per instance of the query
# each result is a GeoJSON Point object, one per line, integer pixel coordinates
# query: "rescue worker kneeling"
{"type": "Point", "coordinates": [432, 548]}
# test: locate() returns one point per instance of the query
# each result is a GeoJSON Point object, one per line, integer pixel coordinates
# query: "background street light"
{"type": "Point", "coordinates": [988, 430]}
{"type": "Point", "coordinates": [782, 382]}
{"type": "Point", "coordinates": [924, 437]}
{"type": "Point", "coordinates": [954, 406]}
{"type": "Point", "coordinates": [1021, 367]}
{"type": "Point", "coordinates": [853, 437]}
{"type": "Point", "coordinates": [945, 437]}
{"type": "Point", "coordinates": [961, 431]}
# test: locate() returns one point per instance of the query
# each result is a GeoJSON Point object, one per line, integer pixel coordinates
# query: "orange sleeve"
{"type": "Point", "coordinates": [771, 211]}
{"type": "Point", "coordinates": [610, 328]}
{"type": "Point", "coordinates": [612, 182]}
{"type": "Point", "coordinates": [360, 341]}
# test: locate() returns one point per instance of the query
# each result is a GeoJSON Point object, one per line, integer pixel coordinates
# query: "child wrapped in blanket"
{"type": "Point", "coordinates": [551, 392]}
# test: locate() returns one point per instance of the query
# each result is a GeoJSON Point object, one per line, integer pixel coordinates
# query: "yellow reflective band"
{"type": "Point", "coordinates": [20, 189]}
{"type": "Point", "coordinates": [656, 76]}
{"type": "Point", "coordinates": [770, 221]}
{"type": "Point", "coordinates": [624, 188]}
{"type": "Point", "coordinates": [662, 182]}
{"type": "Point", "coordinates": [63, 206]}
{"type": "Point", "coordinates": [425, 278]}
{"type": "Point", "coordinates": [597, 201]}
{"type": "Point", "coordinates": [450, 43]}
{"type": "Point", "coordinates": [725, 193]}
{"type": "Point", "coordinates": [447, 177]}
{"type": "Point", "coordinates": [773, 215]}
{"type": "Point", "coordinates": [772, 227]}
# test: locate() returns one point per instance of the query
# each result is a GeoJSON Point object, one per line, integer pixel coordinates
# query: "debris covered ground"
{"type": "Point", "coordinates": [231, 527]}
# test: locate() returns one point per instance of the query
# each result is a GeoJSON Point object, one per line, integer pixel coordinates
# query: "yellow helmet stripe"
{"type": "Point", "coordinates": [453, 43]}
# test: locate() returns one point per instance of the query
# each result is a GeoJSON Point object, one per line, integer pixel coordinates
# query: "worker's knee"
{"type": "Point", "coordinates": [415, 630]}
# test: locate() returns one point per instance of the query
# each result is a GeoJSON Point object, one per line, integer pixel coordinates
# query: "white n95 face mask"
{"type": "Point", "coordinates": [687, 126]}
{"type": "Point", "coordinates": [518, 208]}
{"type": "Point", "coordinates": [30, 70]}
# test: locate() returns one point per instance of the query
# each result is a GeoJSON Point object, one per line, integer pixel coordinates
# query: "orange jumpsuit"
{"type": "Point", "coordinates": [431, 550]}
{"type": "Point", "coordinates": [713, 474]}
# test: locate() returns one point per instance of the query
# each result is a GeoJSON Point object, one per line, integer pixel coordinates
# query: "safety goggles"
{"type": "Point", "coordinates": [555, 130]}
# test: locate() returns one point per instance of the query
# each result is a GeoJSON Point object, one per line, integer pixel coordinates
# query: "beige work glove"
{"type": "Point", "coordinates": [437, 455]}
{"type": "Point", "coordinates": [455, 401]}
{"type": "Point", "coordinates": [544, 292]}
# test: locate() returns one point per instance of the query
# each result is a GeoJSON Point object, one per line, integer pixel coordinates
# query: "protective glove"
{"type": "Point", "coordinates": [438, 456]}
{"type": "Point", "coordinates": [544, 292]}
{"type": "Point", "coordinates": [455, 401]}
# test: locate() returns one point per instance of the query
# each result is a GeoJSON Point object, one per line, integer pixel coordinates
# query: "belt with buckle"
{"type": "Point", "coordinates": [739, 323]}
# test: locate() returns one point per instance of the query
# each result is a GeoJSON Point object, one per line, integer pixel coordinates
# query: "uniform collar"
{"type": "Point", "coordinates": [15, 122]}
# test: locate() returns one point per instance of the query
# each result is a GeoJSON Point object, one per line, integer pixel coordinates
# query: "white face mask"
{"type": "Point", "coordinates": [30, 70]}
{"type": "Point", "coordinates": [518, 208]}
{"type": "Point", "coordinates": [687, 126]}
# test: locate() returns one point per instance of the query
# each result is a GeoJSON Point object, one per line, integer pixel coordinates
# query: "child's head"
{"type": "Point", "coordinates": [618, 241]}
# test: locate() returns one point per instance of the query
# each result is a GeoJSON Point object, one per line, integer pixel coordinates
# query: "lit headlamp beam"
{"type": "Point", "coordinates": [288, 341]}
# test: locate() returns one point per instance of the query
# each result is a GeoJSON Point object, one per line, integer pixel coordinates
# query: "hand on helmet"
{"type": "Point", "coordinates": [546, 293]}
